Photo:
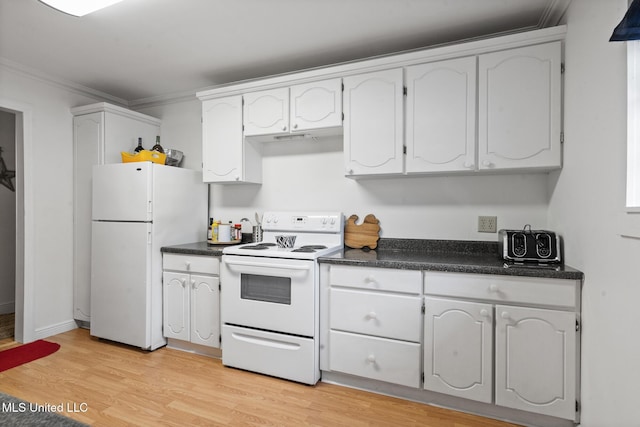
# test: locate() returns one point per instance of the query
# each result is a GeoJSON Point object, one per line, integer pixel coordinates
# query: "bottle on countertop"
{"type": "Point", "coordinates": [214, 231]}
{"type": "Point", "coordinates": [210, 229]}
{"type": "Point", "coordinates": [158, 147]}
{"type": "Point", "coordinates": [139, 147]}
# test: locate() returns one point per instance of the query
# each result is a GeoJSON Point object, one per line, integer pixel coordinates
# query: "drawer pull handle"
{"type": "Point", "coordinates": [187, 265]}
{"type": "Point", "coordinates": [183, 281]}
{"type": "Point", "coordinates": [484, 312]}
{"type": "Point", "coordinates": [371, 358]}
{"type": "Point", "coordinates": [193, 283]}
{"type": "Point", "coordinates": [370, 279]}
{"type": "Point", "coordinates": [505, 315]}
{"type": "Point", "coordinates": [493, 287]}
{"type": "Point", "coordinates": [372, 315]}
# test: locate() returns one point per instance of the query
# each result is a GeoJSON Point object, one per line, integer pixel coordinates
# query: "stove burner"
{"type": "Point", "coordinates": [256, 247]}
{"type": "Point", "coordinates": [304, 249]}
{"type": "Point", "coordinates": [313, 247]}
{"type": "Point", "coordinates": [266, 244]}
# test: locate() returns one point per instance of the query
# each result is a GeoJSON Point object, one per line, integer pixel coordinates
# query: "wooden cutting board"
{"type": "Point", "coordinates": [362, 235]}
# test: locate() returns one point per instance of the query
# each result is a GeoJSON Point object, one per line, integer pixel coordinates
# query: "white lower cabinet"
{"type": "Point", "coordinates": [383, 359]}
{"type": "Point", "coordinates": [527, 358]}
{"type": "Point", "coordinates": [536, 356]}
{"type": "Point", "coordinates": [191, 296]}
{"type": "Point", "coordinates": [374, 321]}
{"type": "Point", "coordinates": [458, 342]}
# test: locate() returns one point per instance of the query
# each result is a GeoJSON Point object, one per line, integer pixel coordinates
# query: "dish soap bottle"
{"type": "Point", "coordinates": [157, 147]}
{"type": "Point", "coordinates": [139, 147]}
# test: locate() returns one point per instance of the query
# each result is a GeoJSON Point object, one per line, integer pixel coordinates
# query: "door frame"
{"type": "Point", "coordinates": [25, 244]}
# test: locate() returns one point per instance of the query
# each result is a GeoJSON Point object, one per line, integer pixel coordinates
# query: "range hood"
{"type": "Point", "coordinates": [314, 135]}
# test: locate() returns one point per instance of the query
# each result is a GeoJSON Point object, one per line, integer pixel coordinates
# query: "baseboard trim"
{"type": "Point", "coordinates": [56, 329]}
{"type": "Point", "coordinates": [8, 307]}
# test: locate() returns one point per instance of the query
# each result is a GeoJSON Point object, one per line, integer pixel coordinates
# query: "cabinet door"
{"type": "Point", "coordinates": [519, 108]}
{"type": "Point", "coordinates": [458, 348]}
{"type": "Point", "coordinates": [373, 123]}
{"type": "Point", "coordinates": [222, 148]}
{"type": "Point", "coordinates": [316, 105]}
{"type": "Point", "coordinates": [205, 310]}
{"type": "Point", "coordinates": [266, 112]}
{"type": "Point", "coordinates": [176, 305]}
{"type": "Point", "coordinates": [536, 359]}
{"type": "Point", "coordinates": [441, 116]}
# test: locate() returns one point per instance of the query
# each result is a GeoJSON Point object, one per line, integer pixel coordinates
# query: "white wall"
{"type": "Point", "coordinates": [51, 135]}
{"type": "Point", "coordinates": [586, 202]}
{"type": "Point", "coordinates": [7, 216]}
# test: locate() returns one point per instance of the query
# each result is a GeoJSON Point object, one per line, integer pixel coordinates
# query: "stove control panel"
{"type": "Point", "coordinates": [326, 222]}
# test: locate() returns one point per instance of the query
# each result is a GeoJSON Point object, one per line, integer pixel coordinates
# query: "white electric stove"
{"type": "Point", "coordinates": [317, 234]}
{"type": "Point", "coordinates": [270, 296]}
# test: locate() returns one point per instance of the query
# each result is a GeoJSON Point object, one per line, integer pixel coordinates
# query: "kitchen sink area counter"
{"type": "Point", "coordinates": [457, 256]}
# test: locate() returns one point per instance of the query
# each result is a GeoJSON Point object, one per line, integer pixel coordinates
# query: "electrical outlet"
{"type": "Point", "coordinates": [487, 224]}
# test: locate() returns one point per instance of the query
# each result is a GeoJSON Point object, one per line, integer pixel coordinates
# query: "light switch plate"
{"type": "Point", "coordinates": [487, 224]}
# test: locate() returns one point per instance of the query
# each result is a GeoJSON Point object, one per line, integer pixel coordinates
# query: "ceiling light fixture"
{"type": "Point", "coordinates": [79, 7]}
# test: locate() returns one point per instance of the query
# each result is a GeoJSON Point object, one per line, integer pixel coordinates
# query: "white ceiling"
{"type": "Point", "coordinates": [139, 50]}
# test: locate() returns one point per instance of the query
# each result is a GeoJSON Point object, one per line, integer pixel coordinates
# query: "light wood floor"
{"type": "Point", "coordinates": [122, 386]}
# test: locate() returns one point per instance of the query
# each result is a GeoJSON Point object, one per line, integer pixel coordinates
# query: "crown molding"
{"type": "Point", "coordinates": [59, 82]}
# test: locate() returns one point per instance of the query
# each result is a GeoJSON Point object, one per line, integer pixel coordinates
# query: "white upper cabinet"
{"type": "Point", "coordinates": [491, 105]}
{"type": "Point", "coordinates": [373, 123]}
{"type": "Point", "coordinates": [295, 109]}
{"type": "Point", "coordinates": [225, 155]}
{"type": "Point", "coordinates": [519, 109]}
{"type": "Point", "coordinates": [266, 112]}
{"type": "Point", "coordinates": [316, 105]}
{"type": "Point", "coordinates": [441, 116]}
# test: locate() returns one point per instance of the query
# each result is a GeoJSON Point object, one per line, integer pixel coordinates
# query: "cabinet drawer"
{"type": "Point", "coordinates": [191, 263]}
{"type": "Point", "coordinates": [379, 314]}
{"type": "Point", "coordinates": [529, 290]}
{"type": "Point", "coordinates": [381, 359]}
{"type": "Point", "coordinates": [381, 279]}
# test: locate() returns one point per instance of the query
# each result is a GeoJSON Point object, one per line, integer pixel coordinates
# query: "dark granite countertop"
{"type": "Point", "coordinates": [445, 255]}
{"type": "Point", "coordinates": [198, 248]}
{"type": "Point", "coordinates": [415, 254]}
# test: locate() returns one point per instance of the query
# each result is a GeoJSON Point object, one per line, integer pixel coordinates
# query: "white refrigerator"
{"type": "Point", "coordinates": [136, 209]}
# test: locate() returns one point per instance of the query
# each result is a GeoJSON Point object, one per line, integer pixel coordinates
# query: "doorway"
{"type": "Point", "coordinates": [21, 116]}
{"type": "Point", "coordinates": [7, 224]}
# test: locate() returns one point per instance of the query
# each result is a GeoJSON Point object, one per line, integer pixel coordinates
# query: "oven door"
{"type": "Point", "coordinates": [272, 294]}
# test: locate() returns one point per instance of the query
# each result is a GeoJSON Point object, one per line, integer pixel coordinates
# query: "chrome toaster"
{"type": "Point", "coordinates": [528, 245]}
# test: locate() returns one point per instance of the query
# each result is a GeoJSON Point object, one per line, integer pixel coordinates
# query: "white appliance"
{"type": "Point", "coordinates": [136, 209]}
{"type": "Point", "coordinates": [270, 296]}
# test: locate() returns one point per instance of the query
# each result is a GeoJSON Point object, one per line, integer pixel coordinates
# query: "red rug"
{"type": "Point", "coordinates": [26, 353]}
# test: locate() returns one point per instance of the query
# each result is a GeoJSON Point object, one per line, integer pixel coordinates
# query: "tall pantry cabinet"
{"type": "Point", "coordinates": [100, 133]}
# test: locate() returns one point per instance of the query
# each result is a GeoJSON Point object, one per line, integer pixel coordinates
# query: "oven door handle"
{"type": "Point", "coordinates": [266, 265]}
{"type": "Point", "coordinates": [265, 342]}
